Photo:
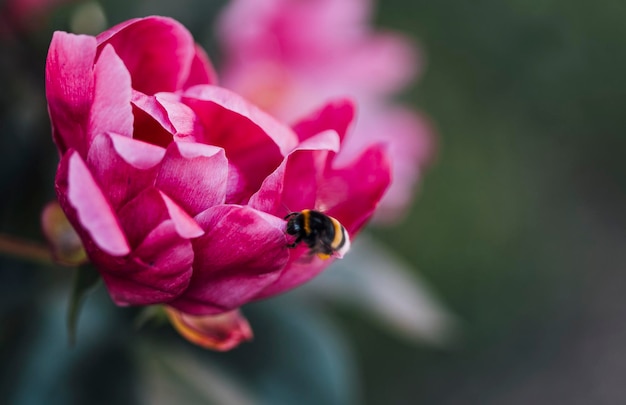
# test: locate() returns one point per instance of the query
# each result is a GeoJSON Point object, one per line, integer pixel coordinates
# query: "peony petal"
{"type": "Point", "coordinates": [220, 332]}
{"type": "Point", "coordinates": [111, 110]}
{"type": "Point", "coordinates": [242, 252]}
{"type": "Point", "coordinates": [140, 155]}
{"type": "Point", "coordinates": [108, 34]}
{"type": "Point", "coordinates": [298, 271]}
{"type": "Point", "coordinates": [158, 52]}
{"type": "Point", "coordinates": [70, 88]}
{"type": "Point", "coordinates": [202, 71]}
{"type": "Point", "coordinates": [223, 292]}
{"type": "Point", "coordinates": [194, 175]}
{"type": "Point", "coordinates": [351, 193]}
{"type": "Point", "coordinates": [87, 207]}
{"type": "Point", "coordinates": [254, 142]}
{"type": "Point", "coordinates": [337, 115]}
{"type": "Point", "coordinates": [151, 208]}
{"type": "Point", "coordinates": [293, 185]}
{"type": "Point", "coordinates": [410, 140]}
{"type": "Point", "coordinates": [185, 226]}
{"type": "Point", "coordinates": [151, 123]}
{"type": "Point", "coordinates": [269, 198]}
{"type": "Point", "coordinates": [183, 120]}
{"type": "Point", "coordinates": [224, 103]}
{"type": "Point", "coordinates": [162, 118]}
{"type": "Point", "coordinates": [159, 267]}
{"type": "Point", "coordinates": [158, 248]}
{"type": "Point", "coordinates": [158, 271]}
{"type": "Point", "coordinates": [126, 166]}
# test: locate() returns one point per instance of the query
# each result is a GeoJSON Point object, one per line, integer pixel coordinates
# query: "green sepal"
{"type": "Point", "coordinates": [86, 279]}
{"type": "Point", "coordinates": [154, 314]}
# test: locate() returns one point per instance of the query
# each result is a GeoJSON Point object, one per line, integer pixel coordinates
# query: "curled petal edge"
{"type": "Point", "coordinates": [221, 332]}
{"type": "Point", "coordinates": [92, 211]}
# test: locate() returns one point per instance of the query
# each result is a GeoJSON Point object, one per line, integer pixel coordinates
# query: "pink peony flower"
{"type": "Point", "coordinates": [177, 187]}
{"type": "Point", "coordinates": [289, 56]}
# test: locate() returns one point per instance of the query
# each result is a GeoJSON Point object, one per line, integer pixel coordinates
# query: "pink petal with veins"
{"type": "Point", "coordinates": [242, 251]}
{"type": "Point", "coordinates": [87, 207]}
{"type": "Point", "coordinates": [123, 165]}
{"type": "Point", "coordinates": [111, 110]}
{"type": "Point", "coordinates": [158, 52]}
{"type": "Point", "coordinates": [194, 175]}
{"type": "Point", "coordinates": [70, 89]}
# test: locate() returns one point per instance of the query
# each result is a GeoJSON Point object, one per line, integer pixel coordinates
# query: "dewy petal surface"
{"type": "Point", "coordinates": [242, 251]}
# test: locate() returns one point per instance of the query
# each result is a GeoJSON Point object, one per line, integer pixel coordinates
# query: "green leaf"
{"type": "Point", "coordinates": [86, 279]}
{"type": "Point", "coordinates": [172, 375]}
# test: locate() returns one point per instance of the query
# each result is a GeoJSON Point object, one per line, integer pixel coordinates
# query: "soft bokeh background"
{"type": "Point", "coordinates": [518, 228]}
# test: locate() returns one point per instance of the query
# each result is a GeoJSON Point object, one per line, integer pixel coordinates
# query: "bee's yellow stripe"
{"type": "Point", "coordinates": [306, 219]}
{"type": "Point", "coordinates": [339, 236]}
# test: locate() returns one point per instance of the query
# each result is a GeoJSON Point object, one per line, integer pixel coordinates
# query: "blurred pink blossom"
{"type": "Point", "coordinates": [290, 56]}
{"type": "Point", "coordinates": [178, 187]}
{"type": "Point", "coordinates": [28, 14]}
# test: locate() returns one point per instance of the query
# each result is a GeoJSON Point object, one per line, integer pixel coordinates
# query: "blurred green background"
{"type": "Point", "coordinates": [518, 225]}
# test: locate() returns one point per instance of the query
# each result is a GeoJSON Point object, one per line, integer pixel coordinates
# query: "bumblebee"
{"type": "Point", "coordinates": [324, 235]}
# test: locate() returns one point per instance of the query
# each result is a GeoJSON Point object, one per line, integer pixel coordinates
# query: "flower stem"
{"type": "Point", "coordinates": [27, 250]}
